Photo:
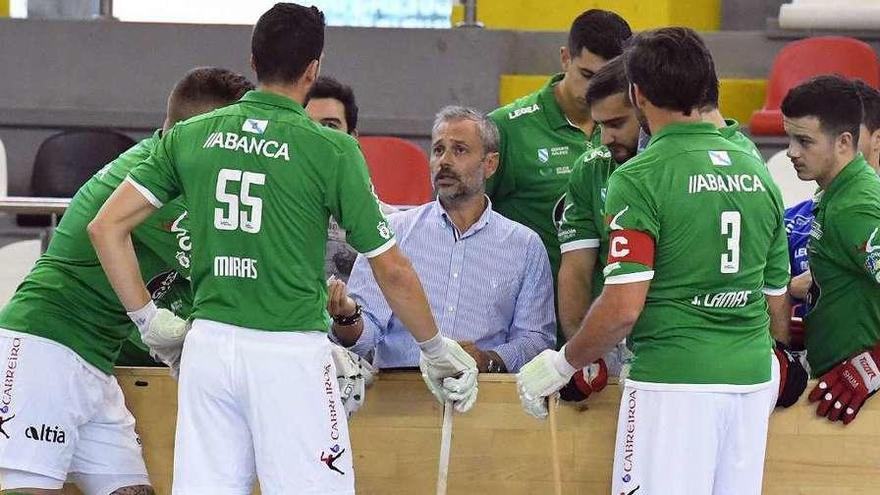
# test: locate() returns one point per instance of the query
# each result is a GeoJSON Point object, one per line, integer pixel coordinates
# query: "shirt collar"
{"type": "Point", "coordinates": [481, 222]}
{"type": "Point", "coordinates": [551, 108]}
{"type": "Point", "coordinates": [730, 128]}
{"type": "Point", "coordinates": [684, 128]}
{"type": "Point", "coordinates": [852, 168]}
{"type": "Point", "coordinates": [273, 99]}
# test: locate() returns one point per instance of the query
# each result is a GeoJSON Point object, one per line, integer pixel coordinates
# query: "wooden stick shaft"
{"type": "Point", "coordinates": [554, 446]}
{"type": "Point", "coordinates": [445, 447]}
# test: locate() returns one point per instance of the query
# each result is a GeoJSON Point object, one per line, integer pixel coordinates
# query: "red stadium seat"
{"type": "Point", "coordinates": [399, 170]}
{"type": "Point", "coordinates": [803, 59]}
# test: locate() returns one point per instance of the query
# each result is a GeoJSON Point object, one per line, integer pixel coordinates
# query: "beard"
{"type": "Point", "coordinates": [462, 188]}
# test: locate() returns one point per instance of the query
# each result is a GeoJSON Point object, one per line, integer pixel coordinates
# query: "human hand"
{"type": "Point", "coordinates": [338, 301]}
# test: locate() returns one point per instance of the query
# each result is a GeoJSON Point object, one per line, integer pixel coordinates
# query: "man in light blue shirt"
{"type": "Point", "coordinates": [487, 278]}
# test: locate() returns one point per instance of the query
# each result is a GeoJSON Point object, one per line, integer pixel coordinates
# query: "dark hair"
{"type": "Point", "coordinates": [599, 31]}
{"type": "Point", "coordinates": [671, 66]}
{"type": "Point", "coordinates": [870, 105]}
{"type": "Point", "coordinates": [832, 99]}
{"type": "Point", "coordinates": [710, 101]}
{"type": "Point", "coordinates": [327, 87]}
{"type": "Point", "coordinates": [203, 89]}
{"type": "Point", "coordinates": [286, 39]}
{"type": "Point", "coordinates": [609, 80]}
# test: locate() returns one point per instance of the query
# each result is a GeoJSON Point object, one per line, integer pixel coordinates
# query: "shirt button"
{"type": "Point", "coordinates": [455, 275]}
{"type": "Point", "coordinates": [451, 308]}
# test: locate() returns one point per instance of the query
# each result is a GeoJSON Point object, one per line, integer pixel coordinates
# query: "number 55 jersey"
{"type": "Point", "coordinates": [260, 181]}
{"type": "Point", "coordinates": [703, 221]}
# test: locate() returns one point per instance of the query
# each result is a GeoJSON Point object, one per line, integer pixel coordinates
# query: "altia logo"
{"type": "Point", "coordinates": [46, 434]}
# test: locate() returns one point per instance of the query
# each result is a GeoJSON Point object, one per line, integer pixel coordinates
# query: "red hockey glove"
{"type": "Point", "coordinates": [591, 379]}
{"type": "Point", "coordinates": [842, 391]}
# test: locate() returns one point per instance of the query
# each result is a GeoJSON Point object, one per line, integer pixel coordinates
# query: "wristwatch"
{"type": "Point", "coordinates": [344, 321]}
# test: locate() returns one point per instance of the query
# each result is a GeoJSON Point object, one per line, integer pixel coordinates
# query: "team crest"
{"type": "Point", "coordinates": [720, 158]}
{"type": "Point", "coordinates": [543, 155]}
{"type": "Point", "coordinates": [255, 126]}
{"type": "Point", "coordinates": [384, 231]}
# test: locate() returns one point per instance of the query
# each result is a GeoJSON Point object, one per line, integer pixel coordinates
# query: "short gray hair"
{"type": "Point", "coordinates": [486, 128]}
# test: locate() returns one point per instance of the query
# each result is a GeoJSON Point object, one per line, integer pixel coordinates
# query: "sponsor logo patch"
{"type": "Point", "coordinates": [9, 376]}
{"type": "Point", "coordinates": [872, 265]}
{"type": "Point", "coordinates": [523, 111]}
{"type": "Point", "coordinates": [329, 458]}
{"type": "Point", "coordinates": [3, 421]}
{"type": "Point", "coordinates": [45, 433]}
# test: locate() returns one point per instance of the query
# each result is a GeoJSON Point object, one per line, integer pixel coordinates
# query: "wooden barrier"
{"type": "Point", "coordinates": [497, 448]}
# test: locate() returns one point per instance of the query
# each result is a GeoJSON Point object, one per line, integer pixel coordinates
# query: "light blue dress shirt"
{"type": "Point", "coordinates": [490, 285]}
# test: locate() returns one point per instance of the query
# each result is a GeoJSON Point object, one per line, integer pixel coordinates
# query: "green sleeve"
{"type": "Point", "coordinates": [777, 272]}
{"type": "Point", "coordinates": [858, 236]}
{"type": "Point", "coordinates": [579, 228]}
{"type": "Point", "coordinates": [155, 177]}
{"type": "Point", "coordinates": [354, 205]}
{"type": "Point", "coordinates": [166, 233]}
{"type": "Point", "coordinates": [631, 210]}
{"type": "Point", "coordinates": [501, 183]}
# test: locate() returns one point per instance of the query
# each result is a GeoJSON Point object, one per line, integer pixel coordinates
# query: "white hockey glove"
{"type": "Point", "coordinates": [541, 377]}
{"type": "Point", "coordinates": [354, 374]}
{"type": "Point", "coordinates": [449, 372]}
{"type": "Point", "coordinates": [163, 332]}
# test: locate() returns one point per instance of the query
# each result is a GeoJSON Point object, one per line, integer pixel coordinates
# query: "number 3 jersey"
{"type": "Point", "coordinates": [702, 220]}
{"type": "Point", "coordinates": [260, 181]}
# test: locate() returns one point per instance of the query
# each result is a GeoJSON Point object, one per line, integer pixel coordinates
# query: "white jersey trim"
{"type": "Point", "coordinates": [381, 249]}
{"type": "Point", "coordinates": [724, 388]}
{"type": "Point", "coordinates": [771, 291]}
{"type": "Point", "coordinates": [629, 278]}
{"type": "Point", "coordinates": [144, 192]}
{"type": "Point", "coordinates": [579, 244]}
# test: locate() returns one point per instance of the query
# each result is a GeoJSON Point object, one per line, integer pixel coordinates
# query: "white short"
{"type": "Point", "coordinates": [63, 419]}
{"type": "Point", "coordinates": [259, 403]}
{"type": "Point", "coordinates": [692, 443]}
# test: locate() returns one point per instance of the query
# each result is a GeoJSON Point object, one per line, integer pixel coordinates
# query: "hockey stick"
{"type": "Point", "coordinates": [552, 406]}
{"type": "Point", "coordinates": [445, 446]}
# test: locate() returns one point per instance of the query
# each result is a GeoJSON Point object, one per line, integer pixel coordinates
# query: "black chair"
{"type": "Point", "coordinates": [65, 161]}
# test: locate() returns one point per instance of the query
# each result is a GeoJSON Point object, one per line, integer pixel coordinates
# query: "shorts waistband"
{"type": "Point", "coordinates": [43, 340]}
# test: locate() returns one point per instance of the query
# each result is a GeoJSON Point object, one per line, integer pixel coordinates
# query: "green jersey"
{"type": "Point", "coordinates": [582, 225]}
{"type": "Point", "coordinates": [538, 149]}
{"type": "Point", "coordinates": [844, 251]}
{"type": "Point", "coordinates": [67, 298]}
{"type": "Point", "coordinates": [260, 181]}
{"type": "Point", "coordinates": [702, 219]}
{"type": "Point", "coordinates": [732, 133]}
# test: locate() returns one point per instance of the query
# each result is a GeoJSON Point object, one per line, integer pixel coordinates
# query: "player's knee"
{"type": "Point", "coordinates": [113, 484]}
{"type": "Point", "coordinates": [135, 490]}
